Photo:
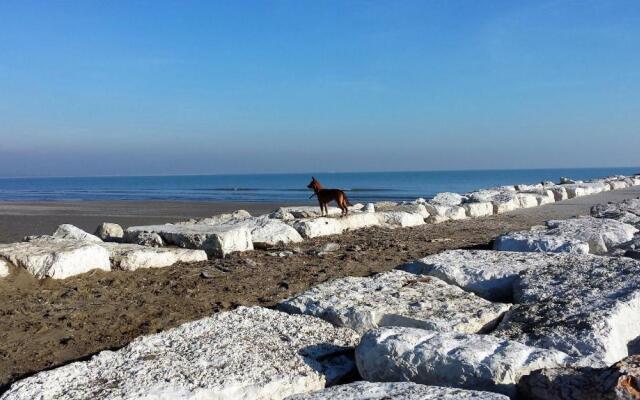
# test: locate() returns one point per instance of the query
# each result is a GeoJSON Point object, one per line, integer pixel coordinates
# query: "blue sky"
{"type": "Point", "coordinates": [181, 87]}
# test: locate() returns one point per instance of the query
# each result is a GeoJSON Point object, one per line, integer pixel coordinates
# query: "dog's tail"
{"type": "Point", "coordinates": [346, 199]}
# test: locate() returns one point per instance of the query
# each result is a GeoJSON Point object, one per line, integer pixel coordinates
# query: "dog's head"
{"type": "Point", "coordinates": [313, 184]}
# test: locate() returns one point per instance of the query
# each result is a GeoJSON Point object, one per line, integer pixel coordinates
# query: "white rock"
{"type": "Point", "coordinates": [615, 185]}
{"type": "Point", "coordinates": [216, 240]}
{"type": "Point", "coordinates": [539, 241]}
{"type": "Point", "coordinates": [4, 268]}
{"type": "Point", "coordinates": [559, 193]}
{"type": "Point", "coordinates": [395, 391]}
{"type": "Point", "coordinates": [577, 235]}
{"type": "Point", "coordinates": [583, 305]}
{"type": "Point", "coordinates": [412, 208]}
{"type": "Point", "coordinates": [219, 219]}
{"type": "Point", "coordinates": [314, 211]}
{"type": "Point", "coordinates": [400, 218]}
{"type": "Point", "coordinates": [439, 213]}
{"type": "Point", "coordinates": [529, 188]}
{"type": "Point", "coordinates": [468, 361]}
{"type": "Point", "coordinates": [627, 211]}
{"type": "Point", "coordinates": [110, 232]}
{"type": "Point", "coordinates": [527, 200]}
{"type": "Point", "coordinates": [396, 298]}
{"type": "Point", "coordinates": [324, 226]}
{"type": "Point", "coordinates": [370, 208]}
{"type": "Point", "coordinates": [67, 231]}
{"type": "Point", "coordinates": [385, 205]}
{"type": "Point", "coordinates": [420, 200]}
{"type": "Point", "coordinates": [130, 257]}
{"type": "Point", "coordinates": [477, 210]}
{"type": "Point", "coordinates": [150, 239]}
{"type": "Point", "coordinates": [447, 199]}
{"type": "Point", "coordinates": [248, 353]}
{"type": "Point", "coordinates": [489, 274]}
{"type": "Point", "coordinates": [502, 200]}
{"type": "Point", "coordinates": [56, 258]}
{"type": "Point", "coordinates": [547, 197]}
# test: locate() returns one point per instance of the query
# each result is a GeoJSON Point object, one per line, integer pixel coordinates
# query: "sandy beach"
{"type": "Point", "coordinates": [53, 322]}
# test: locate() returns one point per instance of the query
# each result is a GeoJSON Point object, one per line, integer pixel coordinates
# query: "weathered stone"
{"type": "Point", "coordinates": [627, 211]}
{"type": "Point", "coordinates": [150, 239]}
{"type": "Point", "coordinates": [67, 231]}
{"type": "Point", "coordinates": [447, 199]}
{"type": "Point", "coordinates": [314, 211]}
{"type": "Point", "coordinates": [438, 213]}
{"type": "Point", "coordinates": [385, 205]}
{"type": "Point", "coordinates": [577, 235]}
{"type": "Point", "coordinates": [56, 258]}
{"type": "Point", "coordinates": [395, 391]}
{"type": "Point", "coordinates": [369, 208]}
{"type": "Point", "coordinates": [585, 188]}
{"type": "Point", "coordinates": [467, 361]}
{"type": "Point", "coordinates": [618, 382]}
{"type": "Point", "coordinates": [249, 353]}
{"type": "Point", "coordinates": [527, 200]}
{"type": "Point", "coordinates": [400, 218]}
{"type": "Point", "coordinates": [110, 232]}
{"type": "Point", "coordinates": [130, 257]}
{"type": "Point", "coordinates": [529, 188]}
{"type": "Point", "coordinates": [412, 208]}
{"type": "Point", "coordinates": [396, 298]}
{"type": "Point", "coordinates": [502, 200]}
{"type": "Point", "coordinates": [559, 193]}
{"type": "Point", "coordinates": [216, 240]}
{"type": "Point", "coordinates": [219, 219]}
{"type": "Point", "coordinates": [476, 210]}
{"type": "Point", "coordinates": [4, 268]}
{"type": "Point", "coordinates": [615, 185]}
{"type": "Point", "coordinates": [583, 305]}
{"type": "Point", "coordinates": [324, 226]}
{"type": "Point", "coordinates": [547, 197]}
{"type": "Point", "coordinates": [489, 274]}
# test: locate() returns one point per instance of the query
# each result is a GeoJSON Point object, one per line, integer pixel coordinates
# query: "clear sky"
{"type": "Point", "coordinates": [181, 87]}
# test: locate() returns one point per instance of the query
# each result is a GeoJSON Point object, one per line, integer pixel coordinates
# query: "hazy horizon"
{"type": "Point", "coordinates": [133, 89]}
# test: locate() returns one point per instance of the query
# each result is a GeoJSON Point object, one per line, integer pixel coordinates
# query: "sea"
{"type": "Point", "coordinates": [282, 188]}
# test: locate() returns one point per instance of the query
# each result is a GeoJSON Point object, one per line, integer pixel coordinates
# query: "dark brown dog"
{"type": "Point", "coordinates": [326, 196]}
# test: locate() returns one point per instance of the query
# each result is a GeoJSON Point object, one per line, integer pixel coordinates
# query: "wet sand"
{"type": "Point", "coordinates": [48, 323]}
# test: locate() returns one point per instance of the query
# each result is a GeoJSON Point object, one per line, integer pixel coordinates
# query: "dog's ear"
{"type": "Point", "coordinates": [313, 178]}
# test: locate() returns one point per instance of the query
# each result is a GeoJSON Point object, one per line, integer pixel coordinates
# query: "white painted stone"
{"type": "Point", "coordinates": [110, 232]}
{"type": "Point", "coordinates": [4, 268]}
{"type": "Point", "coordinates": [248, 353]}
{"type": "Point", "coordinates": [396, 298]}
{"type": "Point", "coordinates": [400, 218]}
{"type": "Point", "coordinates": [583, 305]}
{"type": "Point", "coordinates": [68, 231]}
{"type": "Point", "coordinates": [476, 210]}
{"type": "Point", "coordinates": [447, 199]}
{"type": "Point", "coordinates": [395, 391]}
{"type": "Point", "coordinates": [56, 258]}
{"type": "Point", "coordinates": [130, 257]}
{"type": "Point", "coordinates": [467, 361]}
{"type": "Point", "coordinates": [216, 240]}
{"type": "Point", "coordinates": [577, 235]}
{"type": "Point", "coordinates": [489, 274]}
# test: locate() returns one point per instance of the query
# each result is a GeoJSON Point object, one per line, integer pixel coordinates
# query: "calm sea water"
{"type": "Point", "coordinates": [290, 188]}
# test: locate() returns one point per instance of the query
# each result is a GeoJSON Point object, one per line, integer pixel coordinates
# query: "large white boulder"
{"type": "Point", "coordinates": [219, 219]}
{"type": "Point", "coordinates": [396, 298]}
{"type": "Point", "coordinates": [4, 268]}
{"type": "Point", "coordinates": [468, 361]}
{"type": "Point", "coordinates": [615, 185]}
{"type": "Point", "coordinates": [476, 210]}
{"type": "Point", "coordinates": [109, 232]}
{"type": "Point", "coordinates": [527, 200]}
{"type": "Point", "coordinates": [395, 391]}
{"type": "Point", "coordinates": [583, 305]}
{"type": "Point", "coordinates": [216, 240]}
{"type": "Point", "coordinates": [323, 226]}
{"type": "Point", "coordinates": [502, 200]}
{"type": "Point", "coordinates": [299, 212]}
{"type": "Point", "coordinates": [248, 353]}
{"type": "Point", "coordinates": [489, 274]}
{"type": "Point", "coordinates": [439, 213]}
{"type": "Point", "coordinates": [529, 188]}
{"type": "Point", "coordinates": [56, 258]}
{"type": "Point", "coordinates": [577, 235]}
{"type": "Point", "coordinates": [559, 192]}
{"type": "Point", "coordinates": [447, 199]}
{"type": "Point", "coordinates": [400, 218]}
{"type": "Point", "coordinates": [130, 257]}
{"type": "Point", "coordinates": [68, 231]}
